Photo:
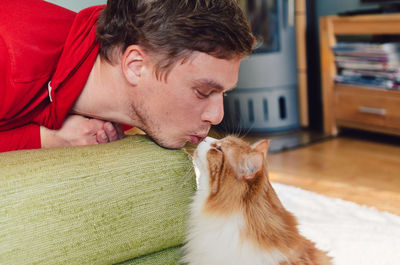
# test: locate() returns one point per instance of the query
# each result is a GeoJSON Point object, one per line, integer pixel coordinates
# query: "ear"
{"type": "Point", "coordinates": [251, 166]}
{"type": "Point", "coordinates": [262, 147]}
{"type": "Point", "coordinates": [132, 63]}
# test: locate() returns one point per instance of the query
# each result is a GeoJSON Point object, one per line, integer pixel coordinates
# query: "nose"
{"type": "Point", "coordinates": [214, 112]}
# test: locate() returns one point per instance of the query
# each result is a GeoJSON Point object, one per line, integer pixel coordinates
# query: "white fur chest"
{"type": "Point", "coordinates": [219, 241]}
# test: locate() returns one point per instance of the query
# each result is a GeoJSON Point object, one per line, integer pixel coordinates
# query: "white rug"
{"type": "Point", "coordinates": [352, 234]}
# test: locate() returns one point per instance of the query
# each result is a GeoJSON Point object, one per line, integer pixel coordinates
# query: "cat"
{"type": "Point", "coordinates": [236, 217]}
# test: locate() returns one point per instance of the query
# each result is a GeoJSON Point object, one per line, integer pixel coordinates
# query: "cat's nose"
{"type": "Point", "coordinates": [209, 139]}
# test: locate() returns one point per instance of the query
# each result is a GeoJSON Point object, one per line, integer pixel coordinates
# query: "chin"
{"type": "Point", "coordinates": [170, 144]}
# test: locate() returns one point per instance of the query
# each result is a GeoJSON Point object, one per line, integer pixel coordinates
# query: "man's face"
{"type": "Point", "coordinates": [184, 107]}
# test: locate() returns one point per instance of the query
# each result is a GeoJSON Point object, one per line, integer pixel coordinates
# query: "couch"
{"type": "Point", "coordinates": [124, 202]}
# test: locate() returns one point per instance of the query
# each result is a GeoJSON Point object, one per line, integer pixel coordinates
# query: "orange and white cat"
{"type": "Point", "coordinates": [236, 217]}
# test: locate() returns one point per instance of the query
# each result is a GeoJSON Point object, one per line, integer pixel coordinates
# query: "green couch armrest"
{"type": "Point", "coordinates": [100, 204]}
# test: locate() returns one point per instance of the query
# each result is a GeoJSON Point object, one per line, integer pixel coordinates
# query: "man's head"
{"type": "Point", "coordinates": [185, 55]}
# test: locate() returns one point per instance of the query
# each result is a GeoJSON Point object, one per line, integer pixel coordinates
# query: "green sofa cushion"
{"type": "Point", "coordinates": [169, 256]}
{"type": "Point", "coordinates": [100, 204]}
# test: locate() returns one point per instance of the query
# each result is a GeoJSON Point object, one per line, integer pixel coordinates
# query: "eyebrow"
{"type": "Point", "coordinates": [204, 82]}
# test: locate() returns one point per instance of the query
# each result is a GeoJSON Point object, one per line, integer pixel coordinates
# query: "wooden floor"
{"type": "Point", "coordinates": [366, 172]}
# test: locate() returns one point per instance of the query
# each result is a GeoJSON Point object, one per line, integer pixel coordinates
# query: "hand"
{"type": "Point", "coordinates": [78, 130]}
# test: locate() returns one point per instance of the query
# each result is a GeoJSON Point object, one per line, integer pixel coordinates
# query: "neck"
{"type": "Point", "coordinates": [100, 97]}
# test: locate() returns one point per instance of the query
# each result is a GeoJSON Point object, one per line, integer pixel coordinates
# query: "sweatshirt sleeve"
{"type": "Point", "coordinates": [26, 137]}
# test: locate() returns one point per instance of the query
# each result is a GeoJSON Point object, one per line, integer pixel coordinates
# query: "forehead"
{"type": "Point", "coordinates": [206, 70]}
{"type": "Point", "coordinates": [234, 147]}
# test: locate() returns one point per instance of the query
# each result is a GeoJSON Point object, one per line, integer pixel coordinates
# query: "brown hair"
{"type": "Point", "coordinates": [174, 29]}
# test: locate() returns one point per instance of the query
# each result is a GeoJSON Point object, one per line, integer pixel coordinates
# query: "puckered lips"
{"type": "Point", "coordinates": [194, 139]}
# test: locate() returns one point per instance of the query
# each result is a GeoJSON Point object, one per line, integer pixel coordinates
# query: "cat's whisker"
{"type": "Point", "coordinates": [239, 130]}
{"type": "Point", "coordinates": [217, 134]}
{"type": "Point", "coordinates": [247, 131]}
{"type": "Point", "coordinates": [230, 126]}
{"type": "Point", "coordinates": [236, 129]}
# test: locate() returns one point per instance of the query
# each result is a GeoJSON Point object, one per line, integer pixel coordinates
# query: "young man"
{"type": "Point", "coordinates": [159, 65]}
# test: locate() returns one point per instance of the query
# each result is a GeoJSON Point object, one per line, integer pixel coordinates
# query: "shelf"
{"type": "Point", "coordinates": [372, 128]}
{"type": "Point", "coordinates": [366, 24]}
{"type": "Point", "coordinates": [368, 107]}
{"type": "Point", "coordinates": [369, 90]}
{"type": "Point", "coordinates": [365, 108]}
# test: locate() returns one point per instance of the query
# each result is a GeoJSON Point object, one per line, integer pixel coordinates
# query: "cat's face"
{"type": "Point", "coordinates": [229, 172]}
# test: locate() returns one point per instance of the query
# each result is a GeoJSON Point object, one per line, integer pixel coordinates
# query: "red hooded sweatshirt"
{"type": "Point", "coordinates": [46, 55]}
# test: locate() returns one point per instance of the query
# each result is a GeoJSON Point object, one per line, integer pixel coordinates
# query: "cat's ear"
{"type": "Point", "coordinates": [262, 147]}
{"type": "Point", "coordinates": [252, 165]}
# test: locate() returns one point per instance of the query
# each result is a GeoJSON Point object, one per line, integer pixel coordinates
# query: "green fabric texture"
{"type": "Point", "coordinates": [101, 204]}
{"type": "Point", "coordinates": [169, 256]}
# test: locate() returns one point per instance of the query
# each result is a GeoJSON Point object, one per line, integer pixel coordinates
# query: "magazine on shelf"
{"type": "Point", "coordinates": [391, 75]}
{"type": "Point", "coordinates": [368, 64]}
{"type": "Point", "coordinates": [365, 47]}
{"type": "Point", "coordinates": [365, 81]}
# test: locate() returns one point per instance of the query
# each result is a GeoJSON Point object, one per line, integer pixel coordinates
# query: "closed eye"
{"type": "Point", "coordinates": [201, 95]}
{"type": "Point", "coordinates": [217, 147]}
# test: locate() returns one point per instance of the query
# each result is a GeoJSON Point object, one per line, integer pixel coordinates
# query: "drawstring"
{"type": "Point", "coordinates": [49, 88]}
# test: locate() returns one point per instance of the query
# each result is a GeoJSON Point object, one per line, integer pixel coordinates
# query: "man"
{"type": "Point", "coordinates": [159, 65]}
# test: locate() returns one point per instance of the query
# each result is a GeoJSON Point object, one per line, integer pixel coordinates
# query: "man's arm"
{"type": "Point", "coordinates": [26, 137]}
{"type": "Point", "coordinates": [76, 130]}
{"type": "Point", "coordinates": [79, 130]}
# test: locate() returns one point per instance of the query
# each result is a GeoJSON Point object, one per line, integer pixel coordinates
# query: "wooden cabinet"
{"type": "Point", "coordinates": [353, 106]}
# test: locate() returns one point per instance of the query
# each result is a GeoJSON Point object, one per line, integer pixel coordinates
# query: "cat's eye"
{"type": "Point", "coordinates": [218, 147]}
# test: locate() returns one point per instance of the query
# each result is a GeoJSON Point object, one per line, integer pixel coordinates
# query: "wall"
{"type": "Point", "coordinates": [77, 5]}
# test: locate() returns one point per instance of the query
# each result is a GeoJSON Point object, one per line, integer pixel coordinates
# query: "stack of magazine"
{"type": "Point", "coordinates": [368, 64]}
